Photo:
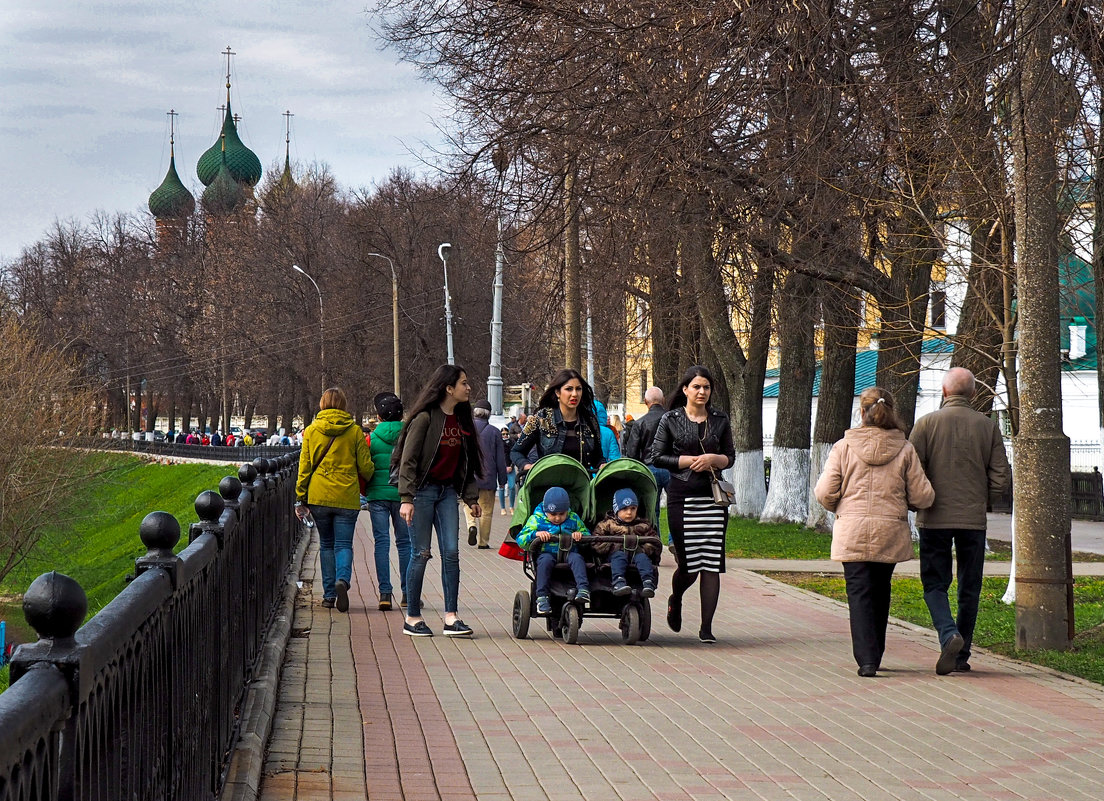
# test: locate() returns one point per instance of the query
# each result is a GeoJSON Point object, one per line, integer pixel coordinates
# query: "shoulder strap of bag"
{"type": "Point", "coordinates": [306, 489]}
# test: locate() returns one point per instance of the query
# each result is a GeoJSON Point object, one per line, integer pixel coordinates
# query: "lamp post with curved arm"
{"type": "Point", "coordinates": [321, 323]}
{"type": "Point", "coordinates": [443, 250]}
{"type": "Point", "coordinates": [394, 315]}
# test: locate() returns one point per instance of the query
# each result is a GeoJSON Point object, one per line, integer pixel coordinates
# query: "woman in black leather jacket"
{"type": "Point", "coordinates": [693, 441]}
{"type": "Point", "coordinates": [564, 422]}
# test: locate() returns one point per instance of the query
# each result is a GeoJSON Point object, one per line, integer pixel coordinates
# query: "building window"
{"type": "Point", "coordinates": [938, 299]}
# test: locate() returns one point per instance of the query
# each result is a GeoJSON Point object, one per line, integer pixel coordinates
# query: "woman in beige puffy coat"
{"type": "Point", "coordinates": [872, 478]}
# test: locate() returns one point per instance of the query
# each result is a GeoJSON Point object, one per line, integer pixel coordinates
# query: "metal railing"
{"type": "Point", "coordinates": [222, 453]}
{"type": "Point", "coordinates": [142, 700]}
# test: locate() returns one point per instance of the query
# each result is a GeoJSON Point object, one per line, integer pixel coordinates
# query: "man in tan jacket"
{"type": "Point", "coordinates": [962, 452]}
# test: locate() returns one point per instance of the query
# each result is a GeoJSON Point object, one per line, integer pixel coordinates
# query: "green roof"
{"type": "Point", "coordinates": [242, 162]}
{"type": "Point", "coordinates": [866, 367]}
{"type": "Point", "coordinates": [171, 198]}
{"type": "Point", "coordinates": [223, 194]}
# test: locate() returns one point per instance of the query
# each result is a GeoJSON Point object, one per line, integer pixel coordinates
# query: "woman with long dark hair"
{"type": "Point", "coordinates": [439, 463]}
{"type": "Point", "coordinates": [565, 422]}
{"type": "Point", "coordinates": [872, 478]}
{"type": "Point", "coordinates": [694, 442]}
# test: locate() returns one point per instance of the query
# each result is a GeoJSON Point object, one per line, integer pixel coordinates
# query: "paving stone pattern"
{"type": "Point", "coordinates": [774, 710]}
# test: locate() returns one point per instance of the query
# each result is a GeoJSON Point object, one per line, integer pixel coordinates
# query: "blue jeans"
{"type": "Point", "coordinates": [662, 478]}
{"type": "Point", "coordinates": [936, 575]}
{"type": "Point", "coordinates": [385, 514]}
{"type": "Point", "coordinates": [546, 561]}
{"type": "Point", "coordinates": [619, 565]}
{"type": "Point", "coordinates": [435, 506]}
{"type": "Point", "coordinates": [511, 488]}
{"type": "Point", "coordinates": [335, 539]}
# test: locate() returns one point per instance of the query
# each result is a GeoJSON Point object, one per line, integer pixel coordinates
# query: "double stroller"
{"type": "Point", "coordinates": [590, 499]}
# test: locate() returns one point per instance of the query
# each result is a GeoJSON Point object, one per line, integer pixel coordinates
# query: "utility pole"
{"type": "Point", "coordinates": [443, 250]}
{"type": "Point", "coordinates": [494, 374]}
{"type": "Point", "coordinates": [1044, 576]}
{"type": "Point", "coordinates": [394, 317]}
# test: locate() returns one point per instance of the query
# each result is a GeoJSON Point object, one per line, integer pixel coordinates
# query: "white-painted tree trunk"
{"type": "Point", "coordinates": [1010, 594]}
{"type": "Point", "coordinates": [788, 496]}
{"type": "Point", "coordinates": [746, 475]}
{"type": "Point", "coordinates": [819, 517]}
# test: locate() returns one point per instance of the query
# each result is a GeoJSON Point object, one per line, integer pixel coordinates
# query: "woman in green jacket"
{"type": "Point", "coordinates": [334, 454]}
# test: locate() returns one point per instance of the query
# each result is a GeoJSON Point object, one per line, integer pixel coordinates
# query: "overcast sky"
{"type": "Point", "coordinates": [85, 84]}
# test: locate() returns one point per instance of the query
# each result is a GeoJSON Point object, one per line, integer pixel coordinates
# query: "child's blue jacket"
{"type": "Point", "coordinates": [538, 522]}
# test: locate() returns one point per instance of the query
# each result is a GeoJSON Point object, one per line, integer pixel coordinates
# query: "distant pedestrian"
{"type": "Point", "coordinates": [962, 452]}
{"type": "Point", "coordinates": [334, 455]}
{"type": "Point", "coordinates": [439, 462]}
{"type": "Point", "coordinates": [639, 442]}
{"type": "Point", "coordinates": [383, 499]}
{"type": "Point", "coordinates": [610, 449]}
{"type": "Point", "coordinates": [694, 441]}
{"type": "Point", "coordinates": [510, 490]}
{"type": "Point", "coordinates": [494, 475]}
{"type": "Point", "coordinates": [872, 478]}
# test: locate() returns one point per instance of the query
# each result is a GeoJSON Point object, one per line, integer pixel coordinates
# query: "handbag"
{"type": "Point", "coordinates": [724, 494]}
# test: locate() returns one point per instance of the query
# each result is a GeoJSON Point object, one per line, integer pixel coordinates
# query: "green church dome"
{"type": "Point", "coordinates": [171, 199]}
{"type": "Point", "coordinates": [244, 166]}
{"type": "Point", "coordinates": [223, 194]}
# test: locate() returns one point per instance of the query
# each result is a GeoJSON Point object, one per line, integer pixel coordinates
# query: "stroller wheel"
{"type": "Point", "coordinates": [521, 614]}
{"type": "Point", "coordinates": [645, 620]}
{"type": "Point", "coordinates": [571, 621]}
{"type": "Point", "coordinates": [630, 624]}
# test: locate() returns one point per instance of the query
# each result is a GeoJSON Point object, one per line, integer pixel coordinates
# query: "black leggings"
{"type": "Point", "coordinates": [710, 589]}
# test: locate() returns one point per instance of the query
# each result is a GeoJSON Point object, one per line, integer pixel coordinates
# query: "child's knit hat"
{"type": "Point", "coordinates": [556, 500]}
{"type": "Point", "coordinates": [623, 499]}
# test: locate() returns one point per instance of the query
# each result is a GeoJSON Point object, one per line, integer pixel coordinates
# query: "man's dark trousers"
{"type": "Point", "coordinates": [936, 573]}
{"type": "Point", "coordinates": [868, 590]}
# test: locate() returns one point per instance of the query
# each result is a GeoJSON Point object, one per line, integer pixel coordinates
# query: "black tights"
{"type": "Point", "coordinates": [710, 589]}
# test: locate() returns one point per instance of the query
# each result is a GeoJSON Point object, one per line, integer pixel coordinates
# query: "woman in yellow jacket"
{"type": "Point", "coordinates": [334, 454]}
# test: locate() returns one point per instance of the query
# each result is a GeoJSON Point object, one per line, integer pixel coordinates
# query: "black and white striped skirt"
{"type": "Point", "coordinates": [698, 532]}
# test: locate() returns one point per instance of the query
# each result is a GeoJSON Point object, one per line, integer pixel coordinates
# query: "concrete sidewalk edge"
{"type": "Point", "coordinates": [243, 774]}
{"type": "Point", "coordinates": [930, 634]}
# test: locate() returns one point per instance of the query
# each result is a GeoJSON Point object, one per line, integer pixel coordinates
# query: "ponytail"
{"type": "Point", "coordinates": [877, 408]}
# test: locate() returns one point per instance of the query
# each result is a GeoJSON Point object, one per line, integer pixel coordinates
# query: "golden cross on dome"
{"type": "Point", "coordinates": [228, 52]}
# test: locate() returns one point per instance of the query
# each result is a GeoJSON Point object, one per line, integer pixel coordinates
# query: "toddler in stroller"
{"type": "Point", "coordinates": [553, 523]}
{"type": "Point", "coordinates": [623, 522]}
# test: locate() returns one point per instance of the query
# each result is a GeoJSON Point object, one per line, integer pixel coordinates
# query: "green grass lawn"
{"type": "Point", "coordinates": [996, 626]}
{"type": "Point", "coordinates": [98, 542]}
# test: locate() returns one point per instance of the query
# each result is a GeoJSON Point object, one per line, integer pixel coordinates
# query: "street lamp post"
{"type": "Point", "coordinates": [394, 315]}
{"type": "Point", "coordinates": [321, 323]}
{"type": "Point", "coordinates": [443, 251]}
{"type": "Point", "coordinates": [494, 375]}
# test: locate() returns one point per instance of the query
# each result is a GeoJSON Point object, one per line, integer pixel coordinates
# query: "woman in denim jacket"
{"type": "Point", "coordinates": [564, 422]}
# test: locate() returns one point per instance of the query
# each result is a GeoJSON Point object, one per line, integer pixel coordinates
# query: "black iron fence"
{"type": "Point", "coordinates": [1086, 496]}
{"type": "Point", "coordinates": [141, 702]}
{"type": "Point", "coordinates": [237, 453]}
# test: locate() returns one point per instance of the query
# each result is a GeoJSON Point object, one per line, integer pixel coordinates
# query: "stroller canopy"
{"type": "Point", "coordinates": [619, 474]}
{"type": "Point", "coordinates": [554, 470]}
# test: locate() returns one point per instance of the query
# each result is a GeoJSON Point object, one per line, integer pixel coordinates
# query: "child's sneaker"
{"type": "Point", "coordinates": [584, 596]}
{"type": "Point", "coordinates": [544, 607]}
{"type": "Point", "coordinates": [621, 587]}
{"type": "Point", "coordinates": [649, 589]}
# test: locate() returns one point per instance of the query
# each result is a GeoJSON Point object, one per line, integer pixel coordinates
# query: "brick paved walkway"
{"type": "Point", "coordinates": [773, 711]}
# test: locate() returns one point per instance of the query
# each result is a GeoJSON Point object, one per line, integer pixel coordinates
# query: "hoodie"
{"type": "Point", "coordinates": [381, 442]}
{"type": "Point", "coordinates": [334, 480]}
{"type": "Point", "coordinates": [610, 449]}
{"type": "Point", "coordinates": [871, 480]}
